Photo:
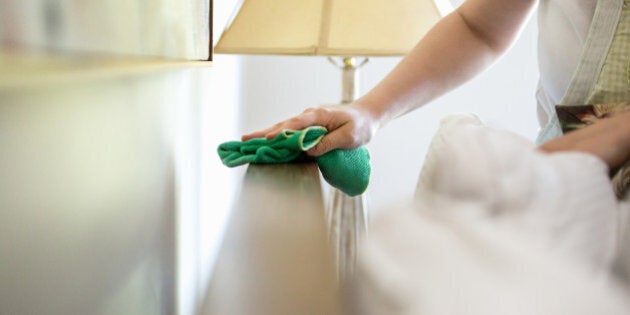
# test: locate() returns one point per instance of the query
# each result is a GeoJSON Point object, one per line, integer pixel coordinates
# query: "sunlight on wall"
{"type": "Point", "coordinates": [218, 182]}
{"type": "Point", "coordinates": [219, 123]}
{"type": "Point", "coordinates": [88, 196]}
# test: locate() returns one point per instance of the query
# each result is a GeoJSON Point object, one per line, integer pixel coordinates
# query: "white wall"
{"type": "Point", "coordinates": [100, 165]}
{"type": "Point", "coordinates": [220, 88]}
{"type": "Point", "coordinates": [276, 87]}
{"type": "Point", "coordinates": [96, 175]}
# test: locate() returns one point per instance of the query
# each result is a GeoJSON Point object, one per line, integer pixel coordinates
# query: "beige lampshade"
{"type": "Point", "coordinates": [330, 27]}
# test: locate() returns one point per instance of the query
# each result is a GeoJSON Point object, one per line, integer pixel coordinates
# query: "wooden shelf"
{"type": "Point", "coordinates": [275, 257]}
{"type": "Point", "coordinates": [26, 69]}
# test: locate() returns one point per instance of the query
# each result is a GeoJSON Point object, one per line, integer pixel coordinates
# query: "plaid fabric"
{"type": "Point", "coordinates": [613, 84]}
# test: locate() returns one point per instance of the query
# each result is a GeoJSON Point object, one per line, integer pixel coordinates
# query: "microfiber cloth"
{"type": "Point", "coordinates": [346, 170]}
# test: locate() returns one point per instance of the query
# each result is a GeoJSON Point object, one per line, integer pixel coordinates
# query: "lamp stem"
{"type": "Point", "coordinates": [347, 216]}
{"type": "Point", "coordinates": [349, 80]}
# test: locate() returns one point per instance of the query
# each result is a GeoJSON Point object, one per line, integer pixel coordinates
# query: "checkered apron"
{"type": "Point", "coordinates": [603, 73]}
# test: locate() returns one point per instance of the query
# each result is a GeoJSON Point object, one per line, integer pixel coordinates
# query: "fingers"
{"type": "Point", "coordinates": [328, 143]}
{"type": "Point", "coordinates": [256, 134]}
{"type": "Point", "coordinates": [348, 127]}
{"type": "Point", "coordinates": [322, 147]}
{"type": "Point", "coordinates": [306, 119]}
{"type": "Point", "coordinates": [344, 137]}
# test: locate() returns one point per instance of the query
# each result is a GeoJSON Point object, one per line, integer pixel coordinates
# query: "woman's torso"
{"type": "Point", "coordinates": [563, 28]}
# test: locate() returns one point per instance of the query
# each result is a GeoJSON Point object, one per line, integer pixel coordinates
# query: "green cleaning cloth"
{"type": "Point", "coordinates": [346, 170]}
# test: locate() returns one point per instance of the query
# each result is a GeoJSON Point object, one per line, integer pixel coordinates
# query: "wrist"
{"type": "Point", "coordinates": [372, 110]}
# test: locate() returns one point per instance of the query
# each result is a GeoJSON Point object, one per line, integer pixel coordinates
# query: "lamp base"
{"type": "Point", "coordinates": [347, 223]}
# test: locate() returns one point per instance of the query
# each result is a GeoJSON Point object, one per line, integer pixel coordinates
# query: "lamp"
{"type": "Point", "coordinates": [344, 28]}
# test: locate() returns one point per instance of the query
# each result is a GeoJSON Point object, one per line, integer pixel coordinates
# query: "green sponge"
{"type": "Point", "coordinates": [346, 170]}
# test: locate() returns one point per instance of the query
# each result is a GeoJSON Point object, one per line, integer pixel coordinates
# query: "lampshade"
{"type": "Point", "coordinates": [330, 27]}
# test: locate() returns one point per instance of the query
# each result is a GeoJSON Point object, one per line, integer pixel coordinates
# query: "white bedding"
{"type": "Point", "coordinates": [498, 228]}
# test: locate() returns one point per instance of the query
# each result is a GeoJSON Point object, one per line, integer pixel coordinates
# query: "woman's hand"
{"type": "Point", "coordinates": [349, 127]}
{"type": "Point", "coordinates": [609, 139]}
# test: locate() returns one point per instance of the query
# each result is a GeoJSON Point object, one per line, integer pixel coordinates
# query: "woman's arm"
{"type": "Point", "coordinates": [460, 46]}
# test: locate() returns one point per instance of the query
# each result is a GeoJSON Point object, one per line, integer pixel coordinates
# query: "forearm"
{"type": "Point", "coordinates": [459, 47]}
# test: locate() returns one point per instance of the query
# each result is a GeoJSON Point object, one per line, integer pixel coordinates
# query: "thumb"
{"type": "Point", "coordinates": [324, 146]}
